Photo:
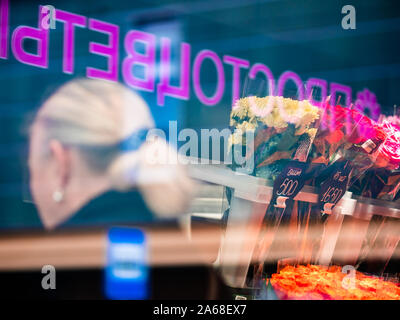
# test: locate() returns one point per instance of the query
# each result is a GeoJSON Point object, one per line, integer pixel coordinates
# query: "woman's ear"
{"type": "Point", "coordinates": [62, 160]}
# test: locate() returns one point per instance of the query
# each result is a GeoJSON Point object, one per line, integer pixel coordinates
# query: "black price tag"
{"type": "Point", "coordinates": [289, 183]}
{"type": "Point", "coordinates": [334, 188]}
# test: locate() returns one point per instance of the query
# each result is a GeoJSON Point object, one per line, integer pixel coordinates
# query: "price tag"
{"type": "Point", "coordinates": [289, 183]}
{"type": "Point", "coordinates": [286, 187]}
{"type": "Point", "coordinates": [334, 188]}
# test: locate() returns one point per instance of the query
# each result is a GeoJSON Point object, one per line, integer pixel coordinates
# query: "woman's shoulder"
{"type": "Point", "coordinates": [112, 207]}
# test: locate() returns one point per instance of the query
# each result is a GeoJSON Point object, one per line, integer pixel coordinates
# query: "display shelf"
{"type": "Point", "coordinates": [250, 199]}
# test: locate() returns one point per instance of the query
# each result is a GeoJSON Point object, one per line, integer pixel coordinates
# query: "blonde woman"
{"type": "Point", "coordinates": [90, 162]}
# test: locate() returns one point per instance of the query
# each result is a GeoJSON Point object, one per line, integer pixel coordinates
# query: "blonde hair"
{"type": "Point", "coordinates": [95, 116]}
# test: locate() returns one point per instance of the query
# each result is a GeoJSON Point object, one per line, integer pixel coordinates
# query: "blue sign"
{"type": "Point", "coordinates": [126, 273]}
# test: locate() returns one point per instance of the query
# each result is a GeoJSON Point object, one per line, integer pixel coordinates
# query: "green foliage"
{"type": "Point", "coordinates": [288, 139]}
{"type": "Point", "coordinates": [271, 171]}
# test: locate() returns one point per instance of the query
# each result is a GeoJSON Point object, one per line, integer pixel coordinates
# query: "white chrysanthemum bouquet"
{"type": "Point", "coordinates": [279, 126]}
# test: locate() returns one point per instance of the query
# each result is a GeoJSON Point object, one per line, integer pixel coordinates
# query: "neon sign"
{"type": "Point", "coordinates": [147, 60]}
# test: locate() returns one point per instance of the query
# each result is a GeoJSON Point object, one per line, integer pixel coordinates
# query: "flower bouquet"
{"type": "Point", "coordinates": [346, 135]}
{"type": "Point", "coordinates": [280, 126]}
{"type": "Point", "coordinates": [383, 180]}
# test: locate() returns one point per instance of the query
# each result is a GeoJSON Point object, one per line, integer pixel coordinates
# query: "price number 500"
{"type": "Point", "coordinates": [288, 187]}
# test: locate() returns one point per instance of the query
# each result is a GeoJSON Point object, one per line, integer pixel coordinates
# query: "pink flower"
{"type": "Point", "coordinates": [389, 151]}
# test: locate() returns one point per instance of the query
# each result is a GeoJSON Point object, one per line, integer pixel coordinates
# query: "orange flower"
{"type": "Point", "coordinates": [317, 282]}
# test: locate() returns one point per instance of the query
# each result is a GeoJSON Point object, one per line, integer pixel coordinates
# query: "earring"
{"type": "Point", "coordinates": [58, 196]}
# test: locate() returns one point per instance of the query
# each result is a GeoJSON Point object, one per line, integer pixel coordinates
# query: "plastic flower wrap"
{"type": "Point", "coordinates": [341, 130]}
{"type": "Point", "coordinates": [383, 180]}
{"type": "Point", "coordinates": [279, 125]}
{"type": "Point", "coordinates": [366, 141]}
{"type": "Point", "coordinates": [345, 136]}
{"type": "Point", "coordinates": [331, 135]}
{"type": "Point", "coordinates": [314, 282]}
{"type": "Point", "coordinates": [394, 120]}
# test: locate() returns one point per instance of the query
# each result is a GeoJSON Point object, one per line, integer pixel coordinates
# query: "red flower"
{"type": "Point", "coordinates": [340, 121]}
{"type": "Point", "coordinates": [333, 117]}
